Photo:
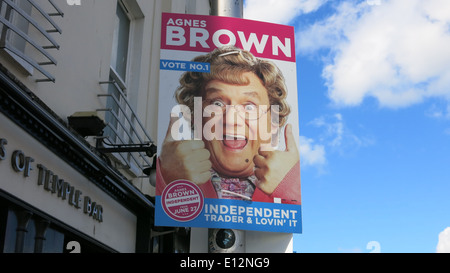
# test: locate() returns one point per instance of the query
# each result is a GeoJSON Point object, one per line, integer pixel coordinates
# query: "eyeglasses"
{"type": "Point", "coordinates": [245, 111]}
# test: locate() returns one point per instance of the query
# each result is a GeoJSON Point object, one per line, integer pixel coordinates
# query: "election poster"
{"type": "Point", "coordinates": [228, 136]}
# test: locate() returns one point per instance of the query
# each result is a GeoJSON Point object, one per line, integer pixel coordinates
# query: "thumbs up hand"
{"type": "Point", "coordinates": [184, 159]}
{"type": "Point", "coordinates": [272, 166]}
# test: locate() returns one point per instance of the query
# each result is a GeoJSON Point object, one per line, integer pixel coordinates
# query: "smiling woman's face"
{"type": "Point", "coordinates": [233, 147]}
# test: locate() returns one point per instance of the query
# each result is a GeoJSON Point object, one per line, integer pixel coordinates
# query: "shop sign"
{"type": "Point", "coordinates": [51, 182]}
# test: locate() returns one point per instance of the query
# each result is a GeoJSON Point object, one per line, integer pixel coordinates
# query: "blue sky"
{"type": "Point", "coordinates": [374, 113]}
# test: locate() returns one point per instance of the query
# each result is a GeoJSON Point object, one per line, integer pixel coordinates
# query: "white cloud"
{"type": "Point", "coordinates": [443, 245]}
{"type": "Point", "coordinates": [334, 136]}
{"type": "Point", "coordinates": [438, 112]}
{"type": "Point", "coordinates": [397, 52]}
{"type": "Point", "coordinates": [338, 137]}
{"type": "Point", "coordinates": [330, 31]}
{"type": "Point", "coordinates": [280, 12]}
{"type": "Point", "coordinates": [311, 154]}
{"type": "Point", "coordinates": [334, 128]}
{"type": "Point", "coordinates": [349, 250]}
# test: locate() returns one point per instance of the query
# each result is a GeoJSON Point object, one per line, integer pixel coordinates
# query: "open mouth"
{"type": "Point", "coordinates": [237, 142]}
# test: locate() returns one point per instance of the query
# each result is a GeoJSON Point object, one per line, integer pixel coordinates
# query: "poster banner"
{"type": "Point", "coordinates": [228, 134]}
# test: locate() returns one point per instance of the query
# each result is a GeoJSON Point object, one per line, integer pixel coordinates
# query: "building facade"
{"type": "Point", "coordinates": [78, 104]}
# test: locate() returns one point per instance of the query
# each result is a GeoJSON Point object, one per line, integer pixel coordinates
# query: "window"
{"type": "Point", "coordinates": [118, 75]}
{"type": "Point", "coordinates": [22, 25]}
{"type": "Point", "coordinates": [119, 57]}
{"type": "Point", "coordinates": [25, 231]}
{"type": "Point", "coordinates": [123, 125]}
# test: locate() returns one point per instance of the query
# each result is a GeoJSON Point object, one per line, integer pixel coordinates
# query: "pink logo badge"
{"type": "Point", "coordinates": [182, 200]}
